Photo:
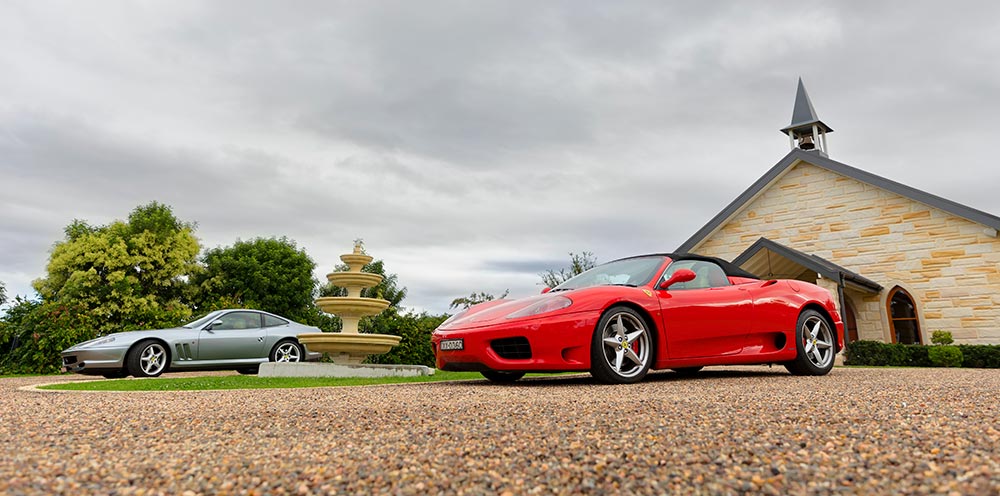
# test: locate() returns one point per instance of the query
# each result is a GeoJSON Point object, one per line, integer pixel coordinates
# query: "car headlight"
{"type": "Point", "coordinates": [544, 306]}
{"type": "Point", "coordinates": [453, 318]}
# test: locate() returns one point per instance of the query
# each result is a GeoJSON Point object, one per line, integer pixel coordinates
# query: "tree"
{"type": "Point", "coordinates": [269, 274]}
{"type": "Point", "coordinates": [124, 275]}
{"type": "Point", "coordinates": [579, 263]}
{"type": "Point", "coordinates": [476, 298]}
{"type": "Point", "coordinates": [3, 293]}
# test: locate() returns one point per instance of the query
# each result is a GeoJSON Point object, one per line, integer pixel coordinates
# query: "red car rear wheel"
{"type": "Point", "coordinates": [816, 344]}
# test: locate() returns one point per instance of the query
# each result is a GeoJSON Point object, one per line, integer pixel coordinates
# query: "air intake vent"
{"type": "Point", "coordinates": [512, 348]}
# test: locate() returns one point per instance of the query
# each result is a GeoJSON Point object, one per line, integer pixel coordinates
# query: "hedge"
{"type": "Point", "coordinates": [917, 355]}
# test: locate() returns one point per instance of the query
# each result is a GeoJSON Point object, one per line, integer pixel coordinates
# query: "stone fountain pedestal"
{"type": "Point", "coordinates": [349, 347]}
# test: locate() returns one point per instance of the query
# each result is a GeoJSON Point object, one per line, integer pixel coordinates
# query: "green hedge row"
{"type": "Point", "coordinates": [916, 355]}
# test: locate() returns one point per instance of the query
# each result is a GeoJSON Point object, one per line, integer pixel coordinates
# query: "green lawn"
{"type": "Point", "coordinates": [249, 382]}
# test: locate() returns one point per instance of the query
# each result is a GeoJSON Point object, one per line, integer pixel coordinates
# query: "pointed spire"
{"type": "Point", "coordinates": [803, 112]}
{"type": "Point", "coordinates": [806, 128]}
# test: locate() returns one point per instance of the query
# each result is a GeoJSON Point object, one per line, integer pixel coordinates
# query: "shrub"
{"type": "Point", "coordinates": [887, 354]}
{"type": "Point", "coordinates": [866, 353]}
{"type": "Point", "coordinates": [980, 356]}
{"type": "Point", "coordinates": [415, 329]}
{"type": "Point", "coordinates": [34, 333]}
{"type": "Point", "coordinates": [915, 355]}
{"type": "Point", "coordinates": [941, 337]}
{"type": "Point", "coordinates": [945, 356]}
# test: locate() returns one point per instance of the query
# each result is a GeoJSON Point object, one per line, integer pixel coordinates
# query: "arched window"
{"type": "Point", "coordinates": [903, 321]}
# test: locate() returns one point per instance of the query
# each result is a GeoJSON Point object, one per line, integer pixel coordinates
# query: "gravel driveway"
{"type": "Point", "coordinates": [728, 431]}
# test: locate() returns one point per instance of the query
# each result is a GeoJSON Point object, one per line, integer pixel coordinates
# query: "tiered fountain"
{"type": "Point", "coordinates": [348, 348]}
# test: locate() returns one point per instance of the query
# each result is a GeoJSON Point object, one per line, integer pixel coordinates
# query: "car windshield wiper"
{"type": "Point", "coordinates": [625, 284]}
{"type": "Point", "coordinates": [560, 289]}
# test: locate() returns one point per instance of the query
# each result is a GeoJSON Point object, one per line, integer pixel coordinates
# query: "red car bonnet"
{"type": "Point", "coordinates": [493, 311]}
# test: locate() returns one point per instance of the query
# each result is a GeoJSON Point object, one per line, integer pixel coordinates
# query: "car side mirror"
{"type": "Point", "coordinates": [682, 275]}
{"type": "Point", "coordinates": [213, 325]}
{"type": "Point", "coordinates": [546, 290]}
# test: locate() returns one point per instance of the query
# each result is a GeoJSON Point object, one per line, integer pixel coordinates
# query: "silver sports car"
{"type": "Point", "coordinates": [224, 339]}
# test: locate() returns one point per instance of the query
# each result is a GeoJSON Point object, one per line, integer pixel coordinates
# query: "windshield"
{"type": "Point", "coordinates": [629, 272]}
{"type": "Point", "coordinates": [200, 321]}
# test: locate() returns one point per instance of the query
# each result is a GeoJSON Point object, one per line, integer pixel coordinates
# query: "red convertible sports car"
{"type": "Point", "coordinates": [669, 311]}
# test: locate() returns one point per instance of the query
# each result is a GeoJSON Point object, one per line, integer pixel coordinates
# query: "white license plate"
{"type": "Point", "coordinates": [452, 344]}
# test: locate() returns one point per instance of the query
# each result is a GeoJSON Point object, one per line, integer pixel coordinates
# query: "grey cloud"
{"type": "Point", "coordinates": [458, 127]}
{"type": "Point", "coordinates": [525, 265]}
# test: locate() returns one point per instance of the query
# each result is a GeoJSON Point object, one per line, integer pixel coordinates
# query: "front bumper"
{"type": "Point", "coordinates": [93, 361]}
{"type": "Point", "coordinates": [553, 344]}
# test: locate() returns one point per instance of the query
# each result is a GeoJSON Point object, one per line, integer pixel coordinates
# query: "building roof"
{"type": "Point", "coordinates": [803, 114]}
{"type": "Point", "coordinates": [796, 156]}
{"type": "Point", "coordinates": [814, 263]}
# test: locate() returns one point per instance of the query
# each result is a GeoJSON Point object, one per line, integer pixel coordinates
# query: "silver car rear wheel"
{"type": "Point", "coordinates": [287, 351]}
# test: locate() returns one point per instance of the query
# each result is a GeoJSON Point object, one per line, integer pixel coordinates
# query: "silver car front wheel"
{"type": "Point", "coordinates": [147, 359]}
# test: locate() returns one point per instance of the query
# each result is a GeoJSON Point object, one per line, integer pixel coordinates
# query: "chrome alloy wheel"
{"type": "Point", "coordinates": [288, 352]}
{"type": "Point", "coordinates": [817, 341]}
{"type": "Point", "coordinates": [626, 345]}
{"type": "Point", "coordinates": [153, 359]}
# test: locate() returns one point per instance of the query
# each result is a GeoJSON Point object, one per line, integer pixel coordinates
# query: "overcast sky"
{"type": "Point", "coordinates": [471, 144]}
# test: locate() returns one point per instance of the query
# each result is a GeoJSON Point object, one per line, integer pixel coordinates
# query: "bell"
{"type": "Point", "coordinates": [806, 142]}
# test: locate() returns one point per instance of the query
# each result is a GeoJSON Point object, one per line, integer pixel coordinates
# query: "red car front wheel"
{"type": "Point", "coordinates": [621, 351]}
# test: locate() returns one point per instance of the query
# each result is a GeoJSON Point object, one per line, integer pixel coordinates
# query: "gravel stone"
{"type": "Point", "coordinates": [729, 430]}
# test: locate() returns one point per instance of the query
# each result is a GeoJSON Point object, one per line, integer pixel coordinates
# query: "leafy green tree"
{"type": "Point", "coordinates": [125, 275]}
{"type": "Point", "coordinates": [476, 298]}
{"type": "Point", "coordinates": [579, 263]}
{"type": "Point", "coordinates": [269, 274]}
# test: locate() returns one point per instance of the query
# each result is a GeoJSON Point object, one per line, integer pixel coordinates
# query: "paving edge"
{"type": "Point", "coordinates": [305, 369]}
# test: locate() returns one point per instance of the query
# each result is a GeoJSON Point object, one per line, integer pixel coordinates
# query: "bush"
{"type": "Point", "coordinates": [945, 356]}
{"type": "Point", "coordinates": [941, 337]}
{"type": "Point", "coordinates": [982, 356]}
{"type": "Point", "coordinates": [887, 354]}
{"type": "Point", "coordinates": [33, 334]}
{"type": "Point", "coordinates": [415, 329]}
{"type": "Point", "coordinates": [874, 353]}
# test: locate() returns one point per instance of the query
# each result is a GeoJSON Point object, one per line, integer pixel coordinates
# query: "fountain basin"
{"type": "Point", "coordinates": [357, 260]}
{"type": "Point", "coordinates": [348, 279]}
{"type": "Point", "coordinates": [351, 306]}
{"type": "Point", "coordinates": [347, 348]}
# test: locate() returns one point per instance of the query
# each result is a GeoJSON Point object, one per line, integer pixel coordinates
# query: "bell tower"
{"type": "Point", "coordinates": [806, 131]}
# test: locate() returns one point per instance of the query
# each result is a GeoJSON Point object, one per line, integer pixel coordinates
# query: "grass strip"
{"type": "Point", "coordinates": [249, 382]}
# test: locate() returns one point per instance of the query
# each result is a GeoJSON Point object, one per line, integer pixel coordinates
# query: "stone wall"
{"type": "Point", "coordinates": [871, 325]}
{"type": "Point", "coordinates": [949, 264]}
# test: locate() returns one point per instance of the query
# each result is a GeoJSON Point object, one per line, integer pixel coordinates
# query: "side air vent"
{"type": "Point", "coordinates": [183, 351]}
{"type": "Point", "coordinates": [512, 348]}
